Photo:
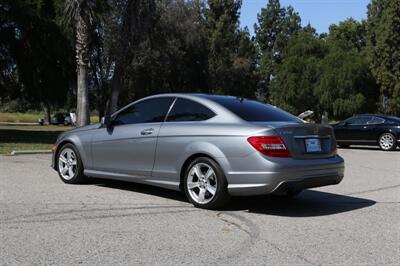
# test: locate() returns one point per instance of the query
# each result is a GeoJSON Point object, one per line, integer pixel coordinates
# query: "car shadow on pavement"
{"type": "Point", "coordinates": [367, 148]}
{"type": "Point", "coordinates": [140, 188]}
{"type": "Point", "coordinates": [309, 203]}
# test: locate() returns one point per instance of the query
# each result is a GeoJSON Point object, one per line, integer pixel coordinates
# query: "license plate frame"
{"type": "Point", "coordinates": [313, 145]}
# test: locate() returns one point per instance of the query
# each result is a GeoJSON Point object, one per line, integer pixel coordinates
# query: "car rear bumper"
{"type": "Point", "coordinates": [292, 175]}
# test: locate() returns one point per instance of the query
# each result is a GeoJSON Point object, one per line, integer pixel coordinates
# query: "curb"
{"type": "Point", "coordinates": [21, 152]}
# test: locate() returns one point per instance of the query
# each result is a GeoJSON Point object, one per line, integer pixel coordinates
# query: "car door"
{"type": "Point", "coordinates": [183, 122]}
{"type": "Point", "coordinates": [374, 128]}
{"type": "Point", "coordinates": [128, 145]}
{"type": "Point", "coordinates": [355, 129]}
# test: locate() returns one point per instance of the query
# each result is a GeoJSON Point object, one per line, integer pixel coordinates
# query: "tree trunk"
{"type": "Point", "coordinates": [115, 90]}
{"type": "Point", "coordinates": [82, 61]}
{"type": "Point", "coordinates": [83, 117]}
{"type": "Point", "coordinates": [47, 114]}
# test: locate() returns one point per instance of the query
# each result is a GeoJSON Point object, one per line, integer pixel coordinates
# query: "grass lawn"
{"type": "Point", "coordinates": [30, 117]}
{"type": "Point", "coordinates": [20, 117]}
{"type": "Point", "coordinates": [28, 137]}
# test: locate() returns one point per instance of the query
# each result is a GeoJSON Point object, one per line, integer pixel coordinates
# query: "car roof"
{"type": "Point", "coordinates": [223, 114]}
{"type": "Point", "coordinates": [389, 117]}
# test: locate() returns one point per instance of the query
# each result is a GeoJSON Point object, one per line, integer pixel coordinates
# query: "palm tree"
{"type": "Point", "coordinates": [81, 13]}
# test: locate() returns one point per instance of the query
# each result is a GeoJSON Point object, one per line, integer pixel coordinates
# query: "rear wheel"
{"type": "Point", "coordinates": [293, 193]}
{"type": "Point", "coordinates": [69, 165]}
{"type": "Point", "coordinates": [387, 142]}
{"type": "Point", "coordinates": [288, 194]}
{"type": "Point", "coordinates": [205, 184]}
{"type": "Point", "coordinates": [341, 145]}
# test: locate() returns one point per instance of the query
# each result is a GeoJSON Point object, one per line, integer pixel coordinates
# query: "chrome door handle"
{"type": "Point", "coordinates": [148, 131]}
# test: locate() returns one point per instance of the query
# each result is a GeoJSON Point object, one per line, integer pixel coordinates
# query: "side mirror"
{"type": "Point", "coordinates": [106, 121]}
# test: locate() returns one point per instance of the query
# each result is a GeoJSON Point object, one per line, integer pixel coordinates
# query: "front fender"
{"type": "Point", "coordinates": [81, 143]}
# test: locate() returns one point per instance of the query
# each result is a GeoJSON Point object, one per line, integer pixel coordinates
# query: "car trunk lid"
{"type": "Point", "coordinates": [306, 141]}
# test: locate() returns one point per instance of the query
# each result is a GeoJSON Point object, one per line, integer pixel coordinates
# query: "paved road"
{"type": "Point", "coordinates": [43, 221]}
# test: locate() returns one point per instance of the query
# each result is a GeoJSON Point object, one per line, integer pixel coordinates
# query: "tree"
{"type": "Point", "coordinates": [276, 25]}
{"type": "Point", "coordinates": [36, 54]}
{"type": "Point", "coordinates": [134, 41]}
{"type": "Point", "coordinates": [245, 75]}
{"type": "Point", "coordinates": [222, 21]}
{"type": "Point", "coordinates": [82, 13]}
{"type": "Point", "coordinates": [348, 34]}
{"type": "Point", "coordinates": [383, 38]}
{"type": "Point", "coordinates": [346, 85]}
{"type": "Point", "coordinates": [327, 74]}
{"type": "Point", "coordinates": [296, 77]}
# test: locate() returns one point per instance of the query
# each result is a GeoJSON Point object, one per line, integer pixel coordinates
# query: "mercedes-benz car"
{"type": "Point", "coordinates": [369, 129]}
{"type": "Point", "coordinates": [211, 147]}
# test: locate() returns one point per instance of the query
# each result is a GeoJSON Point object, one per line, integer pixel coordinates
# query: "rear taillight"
{"type": "Point", "coordinates": [272, 146]}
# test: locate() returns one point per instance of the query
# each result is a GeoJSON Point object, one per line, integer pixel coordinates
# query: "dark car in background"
{"type": "Point", "coordinates": [369, 129]}
{"type": "Point", "coordinates": [60, 118]}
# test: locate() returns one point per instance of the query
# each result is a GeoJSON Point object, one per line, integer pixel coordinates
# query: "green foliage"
{"type": "Point", "coordinates": [134, 48]}
{"type": "Point", "coordinates": [348, 34]}
{"type": "Point", "coordinates": [383, 35]}
{"type": "Point", "coordinates": [327, 74]}
{"type": "Point", "coordinates": [38, 58]}
{"type": "Point", "coordinates": [276, 25]}
{"type": "Point", "coordinates": [293, 86]}
{"type": "Point", "coordinates": [232, 54]}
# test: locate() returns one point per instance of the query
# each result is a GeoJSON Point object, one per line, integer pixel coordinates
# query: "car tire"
{"type": "Point", "coordinates": [293, 193]}
{"type": "Point", "coordinates": [69, 165]}
{"type": "Point", "coordinates": [387, 142]}
{"type": "Point", "coordinates": [205, 184]}
{"type": "Point", "coordinates": [287, 194]}
{"type": "Point", "coordinates": [343, 145]}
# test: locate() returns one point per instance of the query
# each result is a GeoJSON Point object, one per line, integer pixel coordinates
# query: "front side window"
{"type": "Point", "coordinates": [187, 110]}
{"type": "Point", "coordinates": [147, 111]}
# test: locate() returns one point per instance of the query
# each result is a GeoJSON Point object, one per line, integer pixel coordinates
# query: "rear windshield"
{"type": "Point", "coordinates": [254, 111]}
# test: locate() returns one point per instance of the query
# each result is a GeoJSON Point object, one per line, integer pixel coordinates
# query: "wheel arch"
{"type": "Point", "coordinates": [76, 143]}
{"type": "Point", "coordinates": [187, 162]}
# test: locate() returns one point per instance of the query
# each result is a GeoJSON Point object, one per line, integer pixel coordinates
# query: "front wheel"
{"type": "Point", "coordinates": [387, 142]}
{"type": "Point", "coordinates": [205, 184]}
{"type": "Point", "coordinates": [69, 165]}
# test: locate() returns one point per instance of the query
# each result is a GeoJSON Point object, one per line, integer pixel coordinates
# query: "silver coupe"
{"type": "Point", "coordinates": [211, 147]}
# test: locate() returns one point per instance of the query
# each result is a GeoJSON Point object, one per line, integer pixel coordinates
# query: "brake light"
{"type": "Point", "coordinates": [272, 146]}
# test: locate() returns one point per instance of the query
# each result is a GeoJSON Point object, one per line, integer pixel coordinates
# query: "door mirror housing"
{"type": "Point", "coordinates": [106, 121]}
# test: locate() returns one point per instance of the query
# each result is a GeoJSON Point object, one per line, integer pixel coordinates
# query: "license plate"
{"type": "Point", "coordinates": [313, 145]}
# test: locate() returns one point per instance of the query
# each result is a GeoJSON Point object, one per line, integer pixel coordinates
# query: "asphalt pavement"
{"type": "Point", "coordinates": [44, 221]}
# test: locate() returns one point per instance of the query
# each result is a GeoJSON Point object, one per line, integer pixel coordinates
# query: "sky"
{"type": "Point", "coordinates": [320, 13]}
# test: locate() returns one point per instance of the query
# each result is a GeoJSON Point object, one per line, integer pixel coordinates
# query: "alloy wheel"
{"type": "Point", "coordinates": [202, 183]}
{"type": "Point", "coordinates": [386, 141]}
{"type": "Point", "coordinates": [67, 163]}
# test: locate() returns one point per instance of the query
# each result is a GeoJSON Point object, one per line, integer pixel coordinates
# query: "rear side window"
{"type": "Point", "coordinates": [147, 111]}
{"type": "Point", "coordinates": [376, 120]}
{"type": "Point", "coordinates": [187, 110]}
{"type": "Point", "coordinates": [359, 120]}
{"type": "Point", "coordinates": [254, 111]}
